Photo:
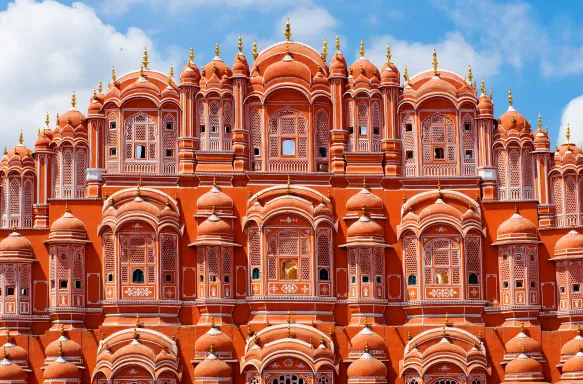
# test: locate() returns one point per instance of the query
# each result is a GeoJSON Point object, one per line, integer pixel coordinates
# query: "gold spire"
{"type": "Point", "coordinates": [287, 33]}
{"type": "Point", "coordinates": [212, 321]}
{"type": "Point", "coordinates": [364, 182]}
{"type": "Point", "coordinates": [191, 55]}
{"type": "Point", "coordinates": [510, 97]}
{"type": "Point", "coordinates": [135, 333]}
{"type": "Point", "coordinates": [60, 348]}
{"type": "Point", "coordinates": [522, 326]}
{"type": "Point", "coordinates": [361, 48]}
{"type": "Point", "coordinates": [171, 71]}
{"type": "Point", "coordinates": [7, 335]}
{"type": "Point", "coordinates": [578, 329]}
{"type": "Point", "coordinates": [139, 194]}
{"type": "Point", "coordinates": [138, 315]}
{"type": "Point", "coordinates": [337, 44]}
{"type": "Point", "coordinates": [145, 61]}
{"type": "Point", "coordinates": [288, 317]}
{"type": "Point", "coordinates": [73, 100]}
{"type": "Point", "coordinates": [406, 75]}
{"type": "Point", "coordinates": [142, 71]}
{"type": "Point", "coordinates": [5, 150]}
{"type": "Point", "coordinates": [255, 54]}
{"type": "Point", "coordinates": [94, 93]}
{"type": "Point", "coordinates": [240, 44]}
{"type": "Point", "coordinates": [288, 185]}
{"type": "Point", "coordinates": [540, 122]}
{"type": "Point", "coordinates": [217, 49]}
{"type": "Point", "coordinates": [5, 353]}
{"type": "Point", "coordinates": [361, 70]}
{"type": "Point", "coordinates": [366, 321]}
{"type": "Point", "coordinates": [491, 95]}
{"type": "Point", "coordinates": [388, 55]}
{"type": "Point", "coordinates": [113, 76]}
{"type": "Point", "coordinates": [568, 135]}
{"type": "Point", "coordinates": [438, 189]}
{"type": "Point", "coordinates": [324, 50]}
{"type": "Point", "coordinates": [68, 211]}
{"type": "Point", "coordinates": [21, 138]}
{"type": "Point", "coordinates": [444, 332]}
{"type": "Point", "coordinates": [446, 319]}
{"type": "Point", "coordinates": [515, 208]}
{"type": "Point", "coordinates": [62, 330]}
{"type": "Point", "coordinates": [435, 62]}
{"type": "Point", "coordinates": [366, 349]}
{"type": "Point", "coordinates": [212, 348]}
{"type": "Point", "coordinates": [409, 337]}
{"type": "Point", "coordinates": [483, 87]}
{"type": "Point", "coordinates": [47, 119]}
{"type": "Point", "coordinates": [100, 88]}
{"type": "Point", "coordinates": [470, 77]}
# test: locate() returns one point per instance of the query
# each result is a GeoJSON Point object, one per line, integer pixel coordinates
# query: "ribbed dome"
{"type": "Point", "coordinates": [214, 226]}
{"type": "Point", "coordinates": [485, 105]}
{"type": "Point", "coordinates": [11, 372]}
{"type": "Point", "coordinates": [190, 73]}
{"type": "Point", "coordinates": [365, 227]}
{"type": "Point", "coordinates": [366, 337]}
{"type": "Point", "coordinates": [214, 199]}
{"type": "Point", "coordinates": [517, 228]}
{"type": "Point", "coordinates": [513, 120]}
{"type": "Point", "coordinates": [221, 343]}
{"type": "Point", "coordinates": [212, 367]}
{"type": "Point", "coordinates": [523, 364]}
{"type": "Point", "coordinates": [61, 369]}
{"type": "Point", "coordinates": [240, 65]}
{"type": "Point", "coordinates": [63, 345]}
{"type": "Point", "coordinates": [570, 245]}
{"type": "Point", "coordinates": [572, 346]}
{"type": "Point", "coordinates": [574, 364]}
{"type": "Point", "coordinates": [367, 366]}
{"type": "Point", "coordinates": [522, 343]}
{"type": "Point", "coordinates": [287, 67]}
{"type": "Point", "coordinates": [68, 223]}
{"type": "Point", "coordinates": [15, 243]}
{"type": "Point", "coordinates": [364, 198]}
{"type": "Point", "coordinates": [439, 208]}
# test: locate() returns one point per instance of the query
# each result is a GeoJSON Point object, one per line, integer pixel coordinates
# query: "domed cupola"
{"type": "Point", "coordinates": [215, 200]}
{"type": "Point", "coordinates": [541, 137]}
{"type": "Point", "coordinates": [522, 344]}
{"type": "Point", "coordinates": [212, 368]}
{"type": "Point", "coordinates": [365, 231]}
{"type": "Point", "coordinates": [367, 337]}
{"type": "Point", "coordinates": [170, 91]}
{"type": "Point", "coordinates": [190, 73]}
{"type": "Point", "coordinates": [523, 369]}
{"type": "Point", "coordinates": [367, 367]}
{"type": "Point", "coordinates": [141, 85]}
{"type": "Point", "coordinates": [18, 156]}
{"type": "Point", "coordinates": [113, 87]}
{"type": "Point", "coordinates": [389, 72]}
{"type": "Point", "coordinates": [572, 370]}
{"type": "Point", "coordinates": [65, 348]}
{"type": "Point", "coordinates": [10, 372]}
{"type": "Point", "coordinates": [338, 67]}
{"type": "Point", "coordinates": [61, 370]}
{"type": "Point", "coordinates": [363, 72]}
{"type": "Point", "coordinates": [485, 105]}
{"type": "Point", "coordinates": [15, 246]}
{"type": "Point", "coordinates": [240, 65]}
{"type": "Point", "coordinates": [14, 353]}
{"type": "Point", "coordinates": [515, 230]}
{"type": "Point", "coordinates": [216, 72]}
{"type": "Point", "coordinates": [68, 227]}
{"type": "Point", "coordinates": [512, 122]}
{"type": "Point", "coordinates": [222, 344]}
{"type": "Point", "coordinates": [366, 198]}
{"type": "Point", "coordinates": [96, 102]}
{"type": "Point", "coordinates": [71, 119]}
{"type": "Point", "coordinates": [572, 347]}
{"type": "Point", "coordinates": [320, 78]}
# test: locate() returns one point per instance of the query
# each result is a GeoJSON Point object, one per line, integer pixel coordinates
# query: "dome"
{"type": "Point", "coordinates": [72, 118]}
{"type": "Point", "coordinates": [220, 342]}
{"type": "Point", "coordinates": [570, 245]}
{"type": "Point", "coordinates": [42, 142]}
{"type": "Point", "coordinates": [437, 83]}
{"type": "Point", "coordinates": [15, 353]}
{"type": "Point", "coordinates": [63, 345]}
{"type": "Point", "coordinates": [517, 228]}
{"type": "Point", "coordinates": [390, 74]}
{"type": "Point", "coordinates": [338, 65]}
{"type": "Point", "coordinates": [573, 346]}
{"type": "Point", "coordinates": [212, 367]}
{"type": "Point", "coordinates": [68, 223]}
{"type": "Point", "coordinates": [297, 51]}
{"type": "Point", "coordinates": [140, 205]}
{"type": "Point", "coordinates": [214, 226]}
{"type": "Point", "coordinates": [512, 119]}
{"type": "Point", "coordinates": [485, 105]}
{"type": "Point", "coordinates": [61, 369]}
{"type": "Point", "coordinates": [240, 65]}
{"type": "Point", "coordinates": [366, 337]}
{"type": "Point", "coordinates": [439, 208]}
{"type": "Point", "coordinates": [364, 198]}
{"type": "Point", "coordinates": [164, 356]}
{"type": "Point", "coordinates": [169, 91]}
{"type": "Point", "coordinates": [216, 67]}
{"type": "Point", "coordinates": [18, 154]}
{"type": "Point", "coordinates": [365, 227]}
{"type": "Point", "coordinates": [287, 67]}
{"type": "Point", "coordinates": [523, 364]}
{"type": "Point", "coordinates": [11, 372]}
{"type": "Point", "coordinates": [190, 72]}
{"type": "Point", "coordinates": [141, 85]}
{"type": "Point", "coordinates": [94, 106]}
{"type": "Point", "coordinates": [215, 199]}
{"type": "Point", "coordinates": [320, 78]}
{"type": "Point", "coordinates": [522, 343]}
{"type": "Point", "coordinates": [15, 244]}
{"type": "Point", "coordinates": [574, 364]}
{"type": "Point", "coordinates": [367, 366]}
{"type": "Point", "coordinates": [362, 66]}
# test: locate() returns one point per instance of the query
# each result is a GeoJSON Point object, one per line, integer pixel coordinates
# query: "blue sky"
{"type": "Point", "coordinates": [533, 47]}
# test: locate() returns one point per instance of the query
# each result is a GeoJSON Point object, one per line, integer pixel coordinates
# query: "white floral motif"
{"type": "Point", "coordinates": [443, 292]}
{"type": "Point", "coordinates": [138, 292]}
{"type": "Point", "coordinates": [289, 288]}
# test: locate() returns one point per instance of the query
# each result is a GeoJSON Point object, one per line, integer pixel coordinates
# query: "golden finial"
{"type": "Point", "coordinates": [47, 119]}
{"type": "Point", "coordinates": [475, 85]}
{"type": "Point", "coordinates": [214, 67]}
{"type": "Point", "coordinates": [515, 208]}
{"type": "Point", "coordinates": [288, 185]}
{"type": "Point", "coordinates": [470, 77]}
{"type": "Point", "coordinates": [217, 49]}
{"type": "Point", "coordinates": [113, 76]}
{"type": "Point", "coordinates": [67, 210]}
{"type": "Point", "coordinates": [366, 322]}
{"type": "Point", "coordinates": [255, 54]}
{"type": "Point", "coordinates": [510, 97]}
{"type": "Point", "coordinates": [483, 88]}
{"type": "Point", "coordinates": [212, 348]}
{"type": "Point", "coordinates": [100, 88]}
{"type": "Point", "coordinates": [212, 321]}
{"type": "Point", "coordinates": [337, 44]}
{"type": "Point", "coordinates": [138, 315]}
{"type": "Point", "coordinates": [444, 332]}
{"type": "Point", "coordinates": [438, 189]}
{"type": "Point", "coordinates": [522, 326]}
{"type": "Point", "coordinates": [361, 48]}
{"type": "Point", "coordinates": [446, 319]}
{"type": "Point", "coordinates": [480, 335]}
{"type": "Point", "coordinates": [249, 331]}
{"type": "Point", "coordinates": [62, 330]}
{"type": "Point", "coordinates": [547, 130]}
{"type": "Point", "coordinates": [5, 353]}
{"type": "Point", "coordinates": [171, 71]}
{"type": "Point", "coordinates": [406, 76]}
{"type": "Point", "coordinates": [7, 335]}
{"type": "Point", "coordinates": [5, 150]}
{"type": "Point", "coordinates": [363, 209]}
{"type": "Point", "coordinates": [364, 182]}
{"type": "Point", "coordinates": [94, 93]}
{"type": "Point", "coordinates": [60, 348]}
{"type": "Point", "coordinates": [578, 329]}
{"type": "Point", "coordinates": [366, 349]}
{"type": "Point", "coordinates": [540, 122]}
{"type": "Point", "coordinates": [21, 138]}
{"type": "Point", "coordinates": [331, 331]}
{"type": "Point", "coordinates": [324, 50]}
{"type": "Point", "coordinates": [388, 55]}
{"type": "Point", "coordinates": [409, 337]}
{"type": "Point", "coordinates": [435, 62]}
{"type": "Point", "coordinates": [288, 317]}
{"type": "Point", "coordinates": [287, 33]}
{"type": "Point", "coordinates": [73, 100]}
{"type": "Point", "coordinates": [142, 71]}
{"type": "Point", "coordinates": [361, 70]}
{"type": "Point", "coordinates": [240, 44]}
{"type": "Point", "coordinates": [191, 55]}
{"type": "Point", "coordinates": [145, 61]}
{"type": "Point", "coordinates": [135, 333]}
{"type": "Point", "coordinates": [568, 135]}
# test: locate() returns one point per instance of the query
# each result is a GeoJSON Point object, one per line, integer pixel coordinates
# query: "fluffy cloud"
{"type": "Point", "coordinates": [573, 115]}
{"type": "Point", "coordinates": [309, 25]}
{"type": "Point", "coordinates": [51, 50]}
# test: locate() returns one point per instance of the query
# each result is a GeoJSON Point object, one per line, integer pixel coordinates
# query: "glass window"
{"type": "Point", "coordinates": [227, 129]}
{"type": "Point", "coordinates": [365, 278]}
{"type": "Point", "coordinates": [256, 274]}
{"type": "Point", "coordinates": [576, 288]}
{"type": "Point", "coordinates": [519, 284]}
{"type": "Point", "coordinates": [202, 129]}
{"type": "Point", "coordinates": [467, 126]}
{"type": "Point", "coordinates": [324, 274]}
{"type": "Point", "coordinates": [379, 279]}
{"type": "Point", "coordinates": [468, 154]}
{"type": "Point", "coordinates": [351, 129]}
{"type": "Point", "coordinates": [408, 127]}
{"type": "Point", "coordinates": [256, 151]}
{"type": "Point", "coordinates": [473, 278]}
{"type": "Point", "coordinates": [441, 278]}
{"type": "Point", "coordinates": [113, 125]}
{"type": "Point", "coordinates": [288, 148]}
{"type": "Point", "coordinates": [505, 284]}
{"type": "Point", "coordinates": [323, 151]}
{"type": "Point", "coordinates": [362, 130]}
{"type": "Point", "coordinates": [140, 152]}
{"type": "Point", "coordinates": [138, 276]}
{"type": "Point", "coordinates": [439, 153]}
{"type": "Point", "coordinates": [112, 152]}
{"type": "Point", "coordinates": [412, 280]}
{"type": "Point", "coordinates": [226, 279]}
{"type": "Point", "coordinates": [375, 131]}
{"type": "Point", "coordinates": [24, 292]}
{"type": "Point", "coordinates": [63, 284]}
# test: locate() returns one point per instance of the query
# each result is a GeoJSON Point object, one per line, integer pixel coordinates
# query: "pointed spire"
{"type": "Point", "coordinates": [491, 95]}
{"type": "Point", "coordinates": [217, 49]}
{"type": "Point", "coordinates": [337, 44]}
{"type": "Point", "coordinates": [138, 315]}
{"type": "Point", "coordinates": [21, 138]}
{"type": "Point", "coordinates": [60, 349]}
{"type": "Point", "coordinates": [100, 87]}
{"type": "Point", "coordinates": [364, 182]}
{"type": "Point", "coordinates": [324, 50]}
{"type": "Point", "coordinates": [94, 93]}
{"type": "Point", "coordinates": [288, 317]}
{"type": "Point", "coordinates": [366, 349]}
{"type": "Point", "coordinates": [483, 88]}
{"type": "Point", "coordinates": [388, 55]}
{"type": "Point", "coordinates": [68, 211]}
{"type": "Point", "coordinates": [73, 100]}
{"type": "Point", "coordinates": [288, 185]}
{"type": "Point", "coordinates": [540, 122]}
{"type": "Point", "coordinates": [142, 71]}
{"type": "Point", "coordinates": [255, 54]}
{"type": "Point", "coordinates": [438, 189]}
{"type": "Point", "coordinates": [135, 334]}
{"type": "Point", "coordinates": [212, 348]}
{"type": "Point", "coordinates": [361, 48]}
{"type": "Point", "coordinates": [47, 119]}
{"type": "Point", "coordinates": [145, 61]}
{"type": "Point", "coordinates": [7, 335]}
{"type": "Point", "coordinates": [435, 62]}
{"type": "Point", "coordinates": [406, 76]}
{"type": "Point", "coordinates": [5, 150]}
{"type": "Point", "coordinates": [287, 32]}
{"type": "Point", "coordinates": [515, 209]}
{"type": "Point", "coordinates": [470, 77]}
{"type": "Point", "coordinates": [113, 75]}
{"type": "Point", "coordinates": [5, 354]}
{"type": "Point", "coordinates": [510, 97]}
{"type": "Point", "coordinates": [139, 194]}
{"type": "Point", "coordinates": [578, 329]}
{"type": "Point", "coordinates": [366, 321]}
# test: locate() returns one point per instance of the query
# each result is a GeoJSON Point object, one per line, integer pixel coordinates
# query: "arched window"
{"type": "Point", "coordinates": [140, 144]}
{"type": "Point", "coordinates": [322, 140]}
{"type": "Point", "coordinates": [138, 276]}
{"type": "Point", "coordinates": [214, 127]}
{"type": "Point", "coordinates": [442, 260]}
{"type": "Point", "coordinates": [289, 270]}
{"type": "Point", "coordinates": [324, 274]}
{"type": "Point", "coordinates": [256, 275]}
{"type": "Point", "coordinates": [288, 141]}
{"type": "Point", "coordinates": [439, 146]}
{"type": "Point", "coordinates": [227, 125]}
{"type": "Point", "coordinates": [412, 280]}
{"type": "Point", "coordinates": [441, 278]}
{"type": "Point", "coordinates": [170, 144]}
{"type": "Point", "coordinates": [256, 139]}
{"type": "Point", "coordinates": [473, 278]}
{"type": "Point", "coordinates": [63, 284]}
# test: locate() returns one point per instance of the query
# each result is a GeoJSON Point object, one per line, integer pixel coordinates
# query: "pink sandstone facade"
{"type": "Point", "coordinates": [291, 219]}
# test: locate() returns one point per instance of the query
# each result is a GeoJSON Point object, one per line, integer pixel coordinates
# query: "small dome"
{"type": "Point", "coordinates": [190, 73]}
{"type": "Point", "coordinates": [170, 91]}
{"type": "Point", "coordinates": [214, 226]}
{"type": "Point", "coordinates": [390, 74]}
{"type": "Point", "coordinates": [523, 365]}
{"type": "Point", "coordinates": [517, 228]}
{"type": "Point", "coordinates": [11, 372]}
{"type": "Point", "coordinates": [94, 106]}
{"type": "Point", "coordinates": [338, 65]}
{"type": "Point", "coordinates": [437, 83]}
{"type": "Point", "coordinates": [573, 346]}
{"type": "Point", "coordinates": [220, 342]}
{"type": "Point", "coordinates": [485, 105]}
{"type": "Point", "coordinates": [141, 85]}
{"type": "Point", "coordinates": [512, 120]}
{"type": "Point", "coordinates": [365, 227]}
{"type": "Point", "coordinates": [320, 78]}
{"type": "Point", "coordinates": [42, 141]}
{"type": "Point", "coordinates": [15, 353]}
{"type": "Point", "coordinates": [362, 66]}
{"type": "Point", "coordinates": [240, 65]}
{"type": "Point", "coordinates": [574, 364]}
{"type": "Point", "coordinates": [570, 245]}
{"type": "Point", "coordinates": [139, 205]}
{"type": "Point", "coordinates": [367, 366]}
{"type": "Point", "coordinates": [364, 198]}
{"type": "Point", "coordinates": [72, 118]}
{"type": "Point", "coordinates": [439, 208]}
{"type": "Point", "coordinates": [541, 139]}
{"type": "Point", "coordinates": [68, 346]}
{"type": "Point", "coordinates": [215, 199]}
{"type": "Point", "coordinates": [17, 156]}
{"type": "Point", "coordinates": [212, 367]}
{"type": "Point", "coordinates": [164, 356]}
{"type": "Point", "coordinates": [366, 337]}
{"type": "Point", "coordinates": [15, 243]}
{"type": "Point", "coordinates": [68, 227]}
{"type": "Point", "coordinates": [522, 343]}
{"type": "Point", "coordinates": [61, 369]}
{"type": "Point", "coordinates": [287, 67]}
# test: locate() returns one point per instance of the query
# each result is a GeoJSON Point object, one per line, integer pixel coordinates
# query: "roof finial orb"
{"type": "Point", "coordinates": [47, 119]}
{"type": "Point", "coordinates": [364, 182]}
{"type": "Point", "coordinates": [324, 54]}
{"type": "Point", "coordinates": [540, 122]}
{"type": "Point", "coordinates": [145, 61]}
{"type": "Point", "coordinates": [366, 349]}
{"type": "Point", "coordinates": [435, 62]}
{"type": "Point", "coordinates": [113, 76]}
{"type": "Point", "coordinates": [217, 49]}
{"type": "Point", "coordinates": [240, 44]}
{"type": "Point", "coordinates": [287, 33]}
{"type": "Point", "coordinates": [255, 54]}
{"type": "Point", "coordinates": [510, 97]}
{"type": "Point", "coordinates": [21, 138]}
{"type": "Point", "coordinates": [361, 48]}
{"type": "Point", "coordinates": [470, 76]}
{"type": "Point", "coordinates": [73, 100]}
{"type": "Point", "coordinates": [142, 71]}
{"type": "Point", "coordinates": [491, 95]}
{"type": "Point", "coordinates": [139, 189]}
{"type": "Point", "coordinates": [568, 135]}
{"type": "Point", "coordinates": [439, 189]}
{"type": "Point", "coordinates": [406, 76]}
{"type": "Point", "coordinates": [100, 88]}
{"type": "Point", "coordinates": [288, 185]}
{"type": "Point", "coordinates": [388, 55]}
{"type": "Point", "coordinates": [337, 44]}
{"type": "Point", "coordinates": [483, 88]}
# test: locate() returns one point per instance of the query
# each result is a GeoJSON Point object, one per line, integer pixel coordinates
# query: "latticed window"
{"type": "Point", "coordinates": [288, 141]}
{"type": "Point", "coordinates": [439, 156]}
{"type": "Point", "coordinates": [138, 252]}
{"type": "Point", "coordinates": [140, 144]}
{"type": "Point", "coordinates": [411, 260]}
{"type": "Point", "coordinates": [227, 125]}
{"type": "Point", "coordinates": [408, 133]}
{"type": "Point", "coordinates": [502, 168]}
{"type": "Point", "coordinates": [322, 140]}
{"type": "Point", "coordinates": [256, 139]}
{"type": "Point", "coordinates": [469, 154]}
{"type": "Point", "coordinates": [441, 261]}
{"type": "Point", "coordinates": [215, 124]}
{"type": "Point", "coordinates": [169, 144]}
{"type": "Point", "coordinates": [288, 256]}
{"type": "Point", "coordinates": [376, 126]}
{"type": "Point", "coordinates": [351, 126]}
{"type": "Point", "coordinates": [112, 140]}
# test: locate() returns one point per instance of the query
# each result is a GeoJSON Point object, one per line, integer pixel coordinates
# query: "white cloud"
{"type": "Point", "coordinates": [50, 50]}
{"type": "Point", "coordinates": [573, 115]}
{"type": "Point", "coordinates": [454, 53]}
{"type": "Point", "coordinates": [309, 25]}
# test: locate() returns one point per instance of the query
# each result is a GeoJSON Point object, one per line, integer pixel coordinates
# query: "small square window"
{"type": "Point", "coordinates": [505, 284]}
{"type": "Point", "coordinates": [439, 153]}
{"type": "Point", "coordinates": [110, 277]}
{"type": "Point", "coordinates": [519, 284]}
{"type": "Point", "coordinates": [77, 284]}
{"type": "Point", "coordinates": [202, 129]}
{"type": "Point", "coordinates": [379, 279]}
{"type": "Point", "coordinates": [362, 130]}
{"type": "Point", "coordinates": [10, 291]}
{"type": "Point", "coordinates": [256, 151]}
{"type": "Point", "coordinates": [169, 126]}
{"type": "Point", "coordinates": [288, 148]}
{"type": "Point", "coordinates": [201, 278]}
{"type": "Point", "coordinates": [408, 127]}
{"type": "Point", "coordinates": [214, 129]}
{"type": "Point", "coordinates": [213, 278]}
{"type": "Point", "coordinates": [365, 279]}
{"type": "Point", "coordinates": [468, 155]}
{"type": "Point", "coordinates": [168, 278]}
{"type": "Point", "coordinates": [563, 290]}
{"type": "Point", "coordinates": [353, 279]}
{"type": "Point", "coordinates": [169, 153]}
{"type": "Point", "coordinates": [323, 152]}
{"type": "Point", "coordinates": [23, 292]}
{"type": "Point", "coordinates": [532, 285]}
{"type": "Point", "coordinates": [576, 288]}
{"type": "Point", "coordinates": [113, 125]}
{"type": "Point", "coordinates": [226, 279]}
{"type": "Point", "coordinates": [140, 152]}
{"type": "Point", "coordinates": [467, 126]}
{"type": "Point", "coordinates": [351, 129]}
{"type": "Point", "coordinates": [409, 155]}
{"type": "Point", "coordinates": [375, 131]}
{"type": "Point", "coordinates": [227, 129]}
{"type": "Point", "coordinates": [112, 152]}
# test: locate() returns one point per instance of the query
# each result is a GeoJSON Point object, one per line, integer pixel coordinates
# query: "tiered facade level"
{"type": "Point", "coordinates": [292, 221]}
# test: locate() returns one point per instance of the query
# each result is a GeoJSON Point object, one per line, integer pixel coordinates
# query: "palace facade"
{"type": "Point", "coordinates": [291, 219]}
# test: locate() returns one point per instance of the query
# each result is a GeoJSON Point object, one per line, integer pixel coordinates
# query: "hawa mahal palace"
{"type": "Point", "coordinates": [291, 219]}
